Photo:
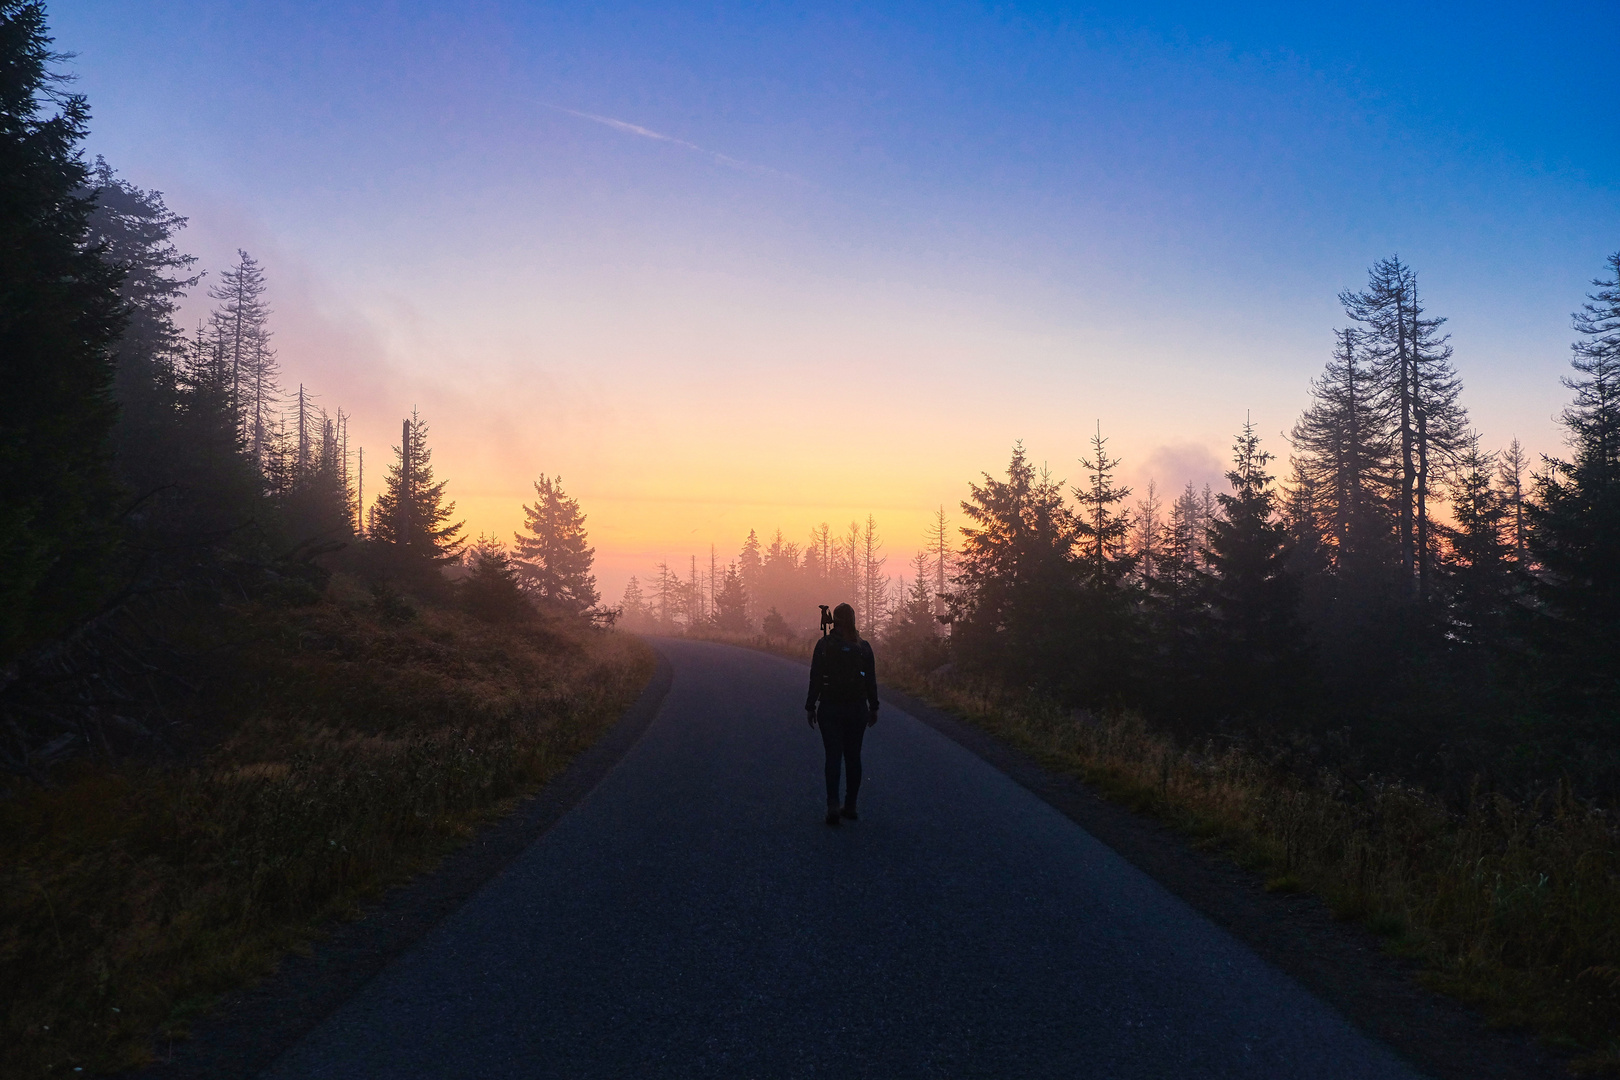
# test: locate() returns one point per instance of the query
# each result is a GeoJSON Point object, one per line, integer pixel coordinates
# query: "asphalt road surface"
{"type": "Point", "coordinates": [693, 916]}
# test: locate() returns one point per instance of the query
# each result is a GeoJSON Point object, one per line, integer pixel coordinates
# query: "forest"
{"type": "Point", "coordinates": [1383, 591]}
{"type": "Point", "coordinates": [145, 464]}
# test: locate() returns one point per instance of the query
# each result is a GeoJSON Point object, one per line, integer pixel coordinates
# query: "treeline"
{"type": "Point", "coordinates": [143, 465]}
{"type": "Point", "coordinates": [1399, 598]}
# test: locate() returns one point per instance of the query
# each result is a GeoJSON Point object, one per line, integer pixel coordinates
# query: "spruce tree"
{"type": "Point", "coordinates": [1575, 518]}
{"type": "Point", "coordinates": [940, 552]}
{"type": "Point", "coordinates": [1147, 536]}
{"type": "Point", "coordinates": [242, 331]}
{"type": "Point", "coordinates": [1342, 448]}
{"type": "Point", "coordinates": [553, 556]}
{"type": "Point", "coordinates": [1420, 392]}
{"type": "Point", "coordinates": [731, 603]}
{"type": "Point", "coordinates": [135, 231]}
{"type": "Point", "coordinates": [60, 316]}
{"type": "Point", "coordinates": [913, 637]}
{"type": "Point", "coordinates": [1513, 474]}
{"type": "Point", "coordinates": [491, 591]}
{"type": "Point", "coordinates": [1014, 604]}
{"type": "Point", "coordinates": [1258, 660]}
{"type": "Point", "coordinates": [751, 565]}
{"type": "Point", "coordinates": [1479, 565]}
{"type": "Point", "coordinates": [633, 605]}
{"type": "Point", "coordinates": [410, 522]}
{"type": "Point", "coordinates": [1102, 533]}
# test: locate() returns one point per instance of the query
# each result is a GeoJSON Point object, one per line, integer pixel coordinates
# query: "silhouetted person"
{"type": "Point", "coordinates": [843, 679]}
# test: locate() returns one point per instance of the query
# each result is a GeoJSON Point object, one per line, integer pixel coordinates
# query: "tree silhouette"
{"type": "Point", "coordinates": [59, 317]}
{"type": "Point", "coordinates": [411, 518]}
{"type": "Point", "coordinates": [1575, 519]}
{"type": "Point", "coordinates": [553, 556]}
{"type": "Point", "coordinates": [1257, 654]}
{"type": "Point", "coordinates": [491, 590]}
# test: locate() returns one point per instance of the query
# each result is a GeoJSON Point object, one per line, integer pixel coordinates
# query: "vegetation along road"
{"type": "Point", "coordinates": [694, 916]}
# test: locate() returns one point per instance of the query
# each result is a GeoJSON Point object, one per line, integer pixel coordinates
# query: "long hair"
{"type": "Point", "coordinates": [844, 622]}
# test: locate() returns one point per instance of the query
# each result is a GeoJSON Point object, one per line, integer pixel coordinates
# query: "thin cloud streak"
{"type": "Point", "coordinates": [647, 133]}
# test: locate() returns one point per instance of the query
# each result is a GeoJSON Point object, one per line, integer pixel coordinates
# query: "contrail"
{"type": "Point", "coordinates": [647, 133]}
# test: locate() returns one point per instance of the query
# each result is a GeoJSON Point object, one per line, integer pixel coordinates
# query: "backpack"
{"type": "Point", "coordinates": [846, 670]}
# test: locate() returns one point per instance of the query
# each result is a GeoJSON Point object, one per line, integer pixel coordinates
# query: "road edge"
{"type": "Point", "coordinates": [249, 1029]}
{"type": "Point", "coordinates": [1342, 963]}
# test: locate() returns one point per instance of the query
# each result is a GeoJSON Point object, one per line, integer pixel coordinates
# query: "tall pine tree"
{"type": "Point", "coordinates": [553, 556]}
{"type": "Point", "coordinates": [1258, 661]}
{"type": "Point", "coordinates": [410, 521]}
{"type": "Point", "coordinates": [1575, 519]}
{"type": "Point", "coordinates": [59, 318]}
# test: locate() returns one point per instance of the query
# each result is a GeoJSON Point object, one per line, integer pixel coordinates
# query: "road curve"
{"type": "Point", "coordinates": [693, 916]}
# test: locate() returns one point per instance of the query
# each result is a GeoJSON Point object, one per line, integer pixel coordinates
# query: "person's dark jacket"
{"type": "Point", "coordinates": [835, 654]}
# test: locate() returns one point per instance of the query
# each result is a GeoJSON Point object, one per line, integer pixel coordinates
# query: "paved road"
{"type": "Point", "coordinates": [694, 917]}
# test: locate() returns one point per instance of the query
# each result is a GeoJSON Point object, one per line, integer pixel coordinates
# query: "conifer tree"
{"type": "Point", "coordinates": [751, 565]}
{"type": "Point", "coordinates": [1420, 391]}
{"type": "Point", "coordinates": [134, 231]}
{"type": "Point", "coordinates": [1342, 448]}
{"type": "Point", "coordinates": [1183, 538]}
{"type": "Point", "coordinates": [491, 590]}
{"type": "Point", "coordinates": [1513, 474]}
{"type": "Point", "coordinates": [913, 636]}
{"type": "Point", "coordinates": [1104, 628]}
{"type": "Point", "coordinates": [411, 518]}
{"type": "Point", "coordinates": [774, 626]}
{"type": "Point", "coordinates": [1257, 654]}
{"type": "Point", "coordinates": [731, 603]}
{"type": "Point", "coordinates": [553, 555]}
{"type": "Point", "coordinates": [1575, 519]}
{"type": "Point", "coordinates": [1147, 535]}
{"type": "Point", "coordinates": [874, 585]}
{"type": "Point", "coordinates": [1479, 565]}
{"type": "Point", "coordinates": [242, 330]}
{"type": "Point", "coordinates": [939, 551]}
{"type": "Point", "coordinates": [1013, 607]}
{"type": "Point", "coordinates": [633, 605]}
{"type": "Point", "coordinates": [59, 318]}
{"type": "Point", "coordinates": [1102, 533]}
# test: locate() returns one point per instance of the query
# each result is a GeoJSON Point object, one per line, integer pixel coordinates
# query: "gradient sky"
{"type": "Point", "coordinates": [755, 265]}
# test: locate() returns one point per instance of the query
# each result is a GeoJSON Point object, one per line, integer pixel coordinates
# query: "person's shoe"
{"type": "Point", "coordinates": [832, 815]}
{"type": "Point", "coordinates": [848, 814]}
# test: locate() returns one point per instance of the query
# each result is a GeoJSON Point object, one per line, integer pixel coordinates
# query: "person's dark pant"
{"type": "Point", "coordinates": [843, 725]}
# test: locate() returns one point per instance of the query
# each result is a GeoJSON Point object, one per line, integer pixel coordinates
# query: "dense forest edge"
{"type": "Point", "coordinates": [240, 694]}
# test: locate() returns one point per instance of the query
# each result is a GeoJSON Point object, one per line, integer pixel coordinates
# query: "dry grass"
{"type": "Point", "coordinates": [336, 754]}
{"type": "Point", "coordinates": [1512, 907]}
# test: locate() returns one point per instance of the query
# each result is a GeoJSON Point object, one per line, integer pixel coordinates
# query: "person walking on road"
{"type": "Point", "coordinates": [843, 700]}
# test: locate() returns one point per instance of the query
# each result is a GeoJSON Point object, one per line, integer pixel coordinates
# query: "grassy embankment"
{"type": "Point", "coordinates": [1513, 907]}
{"type": "Point", "coordinates": [332, 752]}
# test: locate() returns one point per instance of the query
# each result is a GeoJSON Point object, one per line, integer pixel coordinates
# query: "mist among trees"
{"type": "Point", "coordinates": [1382, 589]}
{"type": "Point", "coordinates": [146, 465]}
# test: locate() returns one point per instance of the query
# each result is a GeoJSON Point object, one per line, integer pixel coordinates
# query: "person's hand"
{"type": "Point", "coordinates": [871, 717]}
{"type": "Point", "coordinates": [810, 715]}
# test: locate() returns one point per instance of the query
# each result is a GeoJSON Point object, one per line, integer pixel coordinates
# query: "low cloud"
{"type": "Point", "coordinates": [1174, 465]}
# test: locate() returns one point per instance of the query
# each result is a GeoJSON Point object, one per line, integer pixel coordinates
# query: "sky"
{"type": "Point", "coordinates": [761, 265]}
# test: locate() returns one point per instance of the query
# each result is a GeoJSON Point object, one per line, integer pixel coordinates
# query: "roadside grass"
{"type": "Point", "coordinates": [1510, 906]}
{"type": "Point", "coordinates": [1513, 907]}
{"type": "Point", "coordinates": [334, 749]}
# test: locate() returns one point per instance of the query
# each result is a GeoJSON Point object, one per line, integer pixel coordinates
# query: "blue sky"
{"type": "Point", "coordinates": [846, 237]}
